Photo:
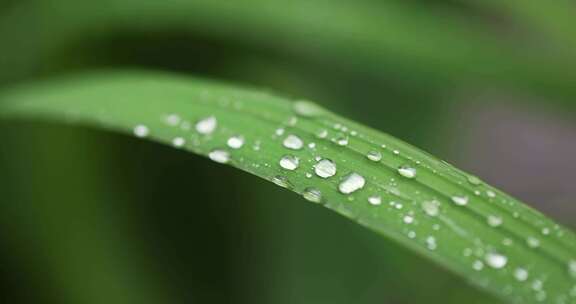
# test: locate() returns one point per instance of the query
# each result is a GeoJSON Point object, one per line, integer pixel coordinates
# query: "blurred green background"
{"type": "Point", "coordinates": [92, 217]}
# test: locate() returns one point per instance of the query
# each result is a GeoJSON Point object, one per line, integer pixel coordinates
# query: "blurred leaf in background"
{"type": "Point", "coordinates": [88, 217]}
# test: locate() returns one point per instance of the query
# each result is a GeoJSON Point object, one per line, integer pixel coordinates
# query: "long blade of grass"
{"type": "Point", "coordinates": [393, 188]}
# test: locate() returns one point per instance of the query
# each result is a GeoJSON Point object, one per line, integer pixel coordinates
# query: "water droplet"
{"type": "Point", "coordinates": [279, 131]}
{"type": "Point", "coordinates": [206, 125]}
{"type": "Point", "coordinates": [474, 180]}
{"type": "Point", "coordinates": [374, 156]}
{"type": "Point", "coordinates": [533, 242]}
{"type": "Point", "coordinates": [293, 142]}
{"type": "Point", "coordinates": [494, 221]}
{"type": "Point", "coordinates": [351, 183]}
{"type": "Point", "coordinates": [375, 200]}
{"type": "Point", "coordinates": [432, 208]}
{"type": "Point", "coordinates": [307, 109]}
{"type": "Point", "coordinates": [289, 162]}
{"type": "Point", "coordinates": [491, 194]}
{"type": "Point", "coordinates": [235, 142]}
{"type": "Point", "coordinates": [281, 181]}
{"type": "Point", "coordinates": [312, 145]}
{"type": "Point", "coordinates": [460, 200]}
{"type": "Point", "coordinates": [572, 268]}
{"type": "Point", "coordinates": [521, 274]}
{"type": "Point", "coordinates": [141, 131]}
{"type": "Point", "coordinates": [325, 168]}
{"type": "Point", "coordinates": [178, 142]}
{"type": "Point", "coordinates": [408, 219]}
{"type": "Point", "coordinates": [545, 231]}
{"type": "Point", "coordinates": [323, 133]}
{"type": "Point", "coordinates": [411, 234]}
{"type": "Point", "coordinates": [219, 156]}
{"type": "Point", "coordinates": [313, 195]}
{"type": "Point", "coordinates": [478, 265]}
{"type": "Point", "coordinates": [496, 260]}
{"type": "Point", "coordinates": [342, 141]}
{"type": "Point", "coordinates": [172, 119]}
{"type": "Point", "coordinates": [407, 171]}
{"type": "Point", "coordinates": [292, 121]}
{"type": "Point", "coordinates": [431, 243]}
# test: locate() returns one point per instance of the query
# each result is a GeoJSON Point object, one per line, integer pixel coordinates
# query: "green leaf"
{"type": "Point", "coordinates": [392, 188]}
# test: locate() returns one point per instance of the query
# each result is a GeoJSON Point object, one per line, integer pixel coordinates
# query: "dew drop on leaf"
{"type": "Point", "coordinates": [178, 142]}
{"type": "Point", "coordinates": [141, 131]}
{"type": "Point", "coordinates": [374, 156]}
{"type": "Point", "coordinates": [408, 219]}
{"type": "Point", "coordinates": [172, 119]}
{"type": "Point", "coordinates": [474, 180]}
{"type": "Point", "coordinates": [351, 183]}
{"type": "Point", "coordinates": [323, 133]}
{"type": "Point", "coordinates": [407, 171]}
{"type": "Point", "coordinates": [207, 125]}
{"type": "Point", "coordinates": [375, 200]}
{"type": "Point", "coordinates": [496, 260]}
{"type": "Point", "coordinates": [219, 156]}
{"type": "Point", "coordinates": [432, 208]}
{"type": "Point", "coordinates": [293, 142]}
{"type": "Point", "coordinates": [533, 242]}
{"type": "Point", "coordinates": [431, 243]}
{"type": "Point", "coordinates": [494, 221]}
{"type": "Point", "coordinates": [313, 195]}
{"type": "Point", "coordinates": [342, 141]}
{"type": "Point", "coordinates": [521, 274]}
{"type": "Point", "coordinates": [572, 268]}
{"type": "Point", "coordinates": [325, 168]}
{"type": "Point", "coordinates": [306, 109]}
{"type": "Point", "coordinates": [235, 142]}
{"type": "Point", "coordinates": [478, 265]}
{"type": "Point", "coordinates": [289, 162]}
{"type": "Point", "coordinates": [281, 181]}
{"type": "Point", "coordinates": [460, 200]}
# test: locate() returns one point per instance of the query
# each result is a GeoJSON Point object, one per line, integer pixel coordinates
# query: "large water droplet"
{"type": "Point", "coordinates": [460, 200]}
{"type": "Point", "coordinates": [374, 156]}
{"type": "Point", "coordinates": [306, 109]}
{"type": "Point", "coordinates": [313, 195]}
{"type": "Point", "coordinates": [351, 183]}
{"type": "Point", "coordinates": [521, 274]}
{"type": "Point", "coordinates": [141, 131]}
{"type": "Point", "coordinates": [325, 168]}
{"type": "Point", "coordinates": [293, 142]}
{"type": "Point", "coordinates": [219, 156]}
{"type": "Point", "coordinates": [206, 125]}
{"type": "Point", "coordinates": [496, 260]}
{"type": "Point", "coordinates": [235, 142]}
{"type": "Point", "coordinates": [407, 171]}
{"type": "Point", "coordinates": [289, 162]}
{"type": "Point", "coordinates": [375, 200]}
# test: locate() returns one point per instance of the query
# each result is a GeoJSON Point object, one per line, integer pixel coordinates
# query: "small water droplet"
{"type": "Point", "coordinates": [172, 119]}
{"type": "Point", "coordinates": [572, 268]}
{"type": "Point", "coordinates": [289, 162]}
{"type": "Point", "coordinates": [323, 133]}
{"type": "Point", "coordinates": [375, 200]}
{"type": "Point", "coordinates": [474, 180]}
{"type": "Point", "coordinates": [293, 142]}
{"type": "Point", "coordinates": [374, 156]}
{"type": "Point", "coordinates": [206, 126]}
{"type": "Point", "coordinates": [521, 274]}
{"type": "Point", "coordinates": [292, 121]}
{"type": "Point", "coordinates": [478, 265]}
{"type": "Point", "coordinates": [313, 195]}
{"type": "Point", "coordinates": [279, 131]}
{"type": "Point", "coordinates": [281, 181]}
{"type": "Point", "coordinates": [219, 156]}
{"type": "Point", "coordinates": [460, 200]}
{"type": "Point", "coordinates": [342, 141]}
{"type": "Point", "coordinates": [141, 131]}
{"type": "Point", "coordinates": [312, 145]}
{"type": "Point", "coordinates": [178, 142]}
{"type": "Point", "coordinates": [496, 260]}
{"type": "Point", "coordinates": [408, 219]}
{"type": "Point", "coordinates": [431, 243]}
{"type": "Point", "coordinates": [351, 183]}
{"type": "Point", "coordinates": [545, 231]}
{"type": "Point", "coordinates": [407, 171]}
{"type": "Point", "coordinates": [325, 168]}
{"type": "Point", "coordinates": [533, 242]}
{"type": "Point", "coordinates": [494, 221]}
{"type": "Point", "coordinates": [432, 208]}
{"type": "Point", "coordinates": [235, 142]}
{"type": "Point", "coordinates": [491, 194]}
{"type": "Point", "coordinates": [411, 234]}
{"type": "Point", "coordinates": [307, 109]}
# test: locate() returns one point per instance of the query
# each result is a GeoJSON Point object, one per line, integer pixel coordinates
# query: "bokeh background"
{"type": "Point", "coordinates": [93, 217]}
